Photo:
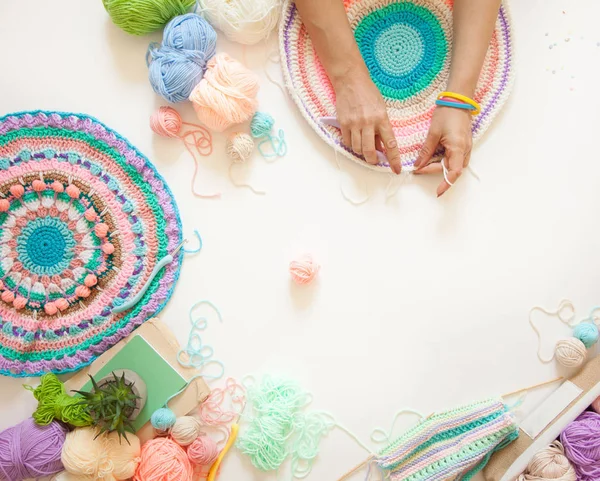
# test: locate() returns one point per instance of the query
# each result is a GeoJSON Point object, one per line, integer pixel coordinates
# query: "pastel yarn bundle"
{"type": "Point", "coordinates": [139, 17]}
{"type": "Point", "coordinates": [226, 95]}
{"type": "Point", "coordinates": [31, 451]}
{"type": "Point", "coordinates": [167, 122]}
{"type": "Point", "coordinates": [549, 464]}
{"type": "Point", "coordinates": [91, 456]}
{"type": "Point", "coordinates": [260, 128]}
{"type": "Point", "coordinates": [178, 64]}
{"type": "Point", "coordinates": [449, 445]}
{"type": "Point", "coordinates": [242, 21]}
{"type": "Point", "coordinates": [304, 270]}
{"type": "Point", "coordinates": [162, 459]}
{"type": "Point", "coordinates": [570, 352]}
{"type": "Point", "coordinates": [581, 440]}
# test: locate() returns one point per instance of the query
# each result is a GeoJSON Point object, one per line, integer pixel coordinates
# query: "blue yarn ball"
{"type": "Point", "coordinates": [261, 124]}
{"type": "Point", "coordinates": [586, 332]}
{"type": "Point", "coordinates": [178, 64]}
{"type": "Point", "coordinates": [163, 419]}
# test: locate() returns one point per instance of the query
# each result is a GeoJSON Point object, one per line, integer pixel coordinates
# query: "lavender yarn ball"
{"type": "Point", "coordinates": [31, 451]}
{"type": "Point", "coordinates": [581, 440]}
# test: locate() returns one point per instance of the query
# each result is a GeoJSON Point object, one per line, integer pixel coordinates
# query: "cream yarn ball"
{"type": "Point", "coordinates": [570, 352]}
{"type": "Point", "coordinates": [239, 146]}
{"type": "Point", "coordinates": [242, 21]}
{"type": "Point", "coordinates": [549, 464]}
{"type": "Point", "coordinates": [185, 430]}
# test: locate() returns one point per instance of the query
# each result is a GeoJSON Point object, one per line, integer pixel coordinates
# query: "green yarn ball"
{"type": "Point", "coordinates": [586, 332]}
{"type": "Point", "coordinates": [139, 17]}
{"type": "Point", "coordinates": [261, 124]}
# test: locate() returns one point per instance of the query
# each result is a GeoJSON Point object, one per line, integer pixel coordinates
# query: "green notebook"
{"type": "Point", "coordinates": [162, 381]}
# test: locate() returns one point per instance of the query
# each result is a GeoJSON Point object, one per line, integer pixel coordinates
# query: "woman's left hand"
{"type": "Point", "coordinates": [450, 128]}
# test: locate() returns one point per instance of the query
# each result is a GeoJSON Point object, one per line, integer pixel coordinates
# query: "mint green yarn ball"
{"type": "Point", "coordinates": [163, 419]}
{"type": "Point", "coordinates": [586, 332]}
{"type": "Point", "coordinates": [139, 17]}
{"type": "Point", "coordinates": [261, 124]}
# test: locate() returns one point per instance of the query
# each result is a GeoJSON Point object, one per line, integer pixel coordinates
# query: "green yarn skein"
{"type": "Point", "coordinates": [55, 403]}
{"type": "Point", "coordinates": [139, 17]}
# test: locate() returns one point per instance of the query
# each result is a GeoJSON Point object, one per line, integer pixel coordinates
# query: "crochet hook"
{"type": "Point", "coordinates": [333, 122]}
{"type": "Point", "coordinates": [214, 469]}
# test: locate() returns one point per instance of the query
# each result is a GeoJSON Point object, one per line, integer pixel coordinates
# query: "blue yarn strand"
{"type": "Point", "coordinates": [199, 248]}
{"type": "Point", "coordinates": [278, 145]}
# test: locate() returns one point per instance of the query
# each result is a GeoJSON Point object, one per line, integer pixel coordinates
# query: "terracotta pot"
{"type": "Point", "coordinates": [139, 388]}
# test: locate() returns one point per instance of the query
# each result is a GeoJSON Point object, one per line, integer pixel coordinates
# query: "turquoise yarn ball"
{"type": "Point", "coordinates": [586, 332]}
{"type": "Point", "coordinates": [178, 64]}
{"type": "Point", "coordinates": [163, 419]}
{"type": "Point", "coordinates": [261, 124]}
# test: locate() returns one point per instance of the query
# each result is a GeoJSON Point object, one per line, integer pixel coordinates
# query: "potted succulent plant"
{"type": "Point", "coordinates": [115, 401]}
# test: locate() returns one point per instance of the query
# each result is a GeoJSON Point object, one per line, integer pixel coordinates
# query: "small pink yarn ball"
{"type": "Point", "coordinates": [203, 451]}
{"type": "Point", "coordinates": [304, 270]}
{"type": "Point", "coordinates": [166, 122]}
{"type": "Point", "coordinates": [226, 95]}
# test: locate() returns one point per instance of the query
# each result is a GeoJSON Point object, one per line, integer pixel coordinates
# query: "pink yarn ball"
{"type": "Point", "coordinates": [304, 270]}
{"type": "Point", "coordinates": [166, 122]}
{"type": "Point", "coordinates": [203, 451]}
{"type": "Point", "coordinates": [226, 95]}
{"type": "Point", "coordinates": [61, 303]}
{"type": "Point", "coordinates": [162, 459]}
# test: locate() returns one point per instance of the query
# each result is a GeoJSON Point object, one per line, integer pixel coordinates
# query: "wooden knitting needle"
{"type": "Point", "coordinates": [372, 457]}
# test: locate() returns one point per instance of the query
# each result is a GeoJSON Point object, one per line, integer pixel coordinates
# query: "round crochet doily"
{"type": "Point", "coordinates": [84, 219]}
{"type": "Point", "coordinates": [407, 46]}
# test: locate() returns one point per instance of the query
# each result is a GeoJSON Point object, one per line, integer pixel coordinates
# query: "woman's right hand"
{"type": "Point", "coordinates": [363, 118]}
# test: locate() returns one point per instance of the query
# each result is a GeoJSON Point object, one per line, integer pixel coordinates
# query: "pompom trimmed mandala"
{"type": "Point", "coordinates": [84, 220]}
{"type": "Point", "coordinates": [406, 44]}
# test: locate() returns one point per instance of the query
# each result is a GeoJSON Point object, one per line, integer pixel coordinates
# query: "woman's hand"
{"type": "Point", "coordinates": [450, 128]}
{"type": "Point", "coordinates": [363, 118]}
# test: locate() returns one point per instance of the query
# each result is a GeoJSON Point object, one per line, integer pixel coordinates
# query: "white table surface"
{"type": "Point", "coordinates": [421, 302]}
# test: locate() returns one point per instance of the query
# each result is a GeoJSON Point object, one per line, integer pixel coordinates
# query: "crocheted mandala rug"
{"type": "Point", "coordinates": [84, 219]}
{"type": "Point", "coordinates": [406, 45]}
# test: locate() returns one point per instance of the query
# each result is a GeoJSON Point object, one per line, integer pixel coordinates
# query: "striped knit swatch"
{"type": "Point", "coordinates": [84, 220]}
{"type": "Point", "coordinates": [451, 445]}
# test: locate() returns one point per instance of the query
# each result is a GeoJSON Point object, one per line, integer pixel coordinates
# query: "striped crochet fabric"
{"type": "Point", "coordinates": [84, 219]}
{"type": "Point", "coordinates": [406, 45]}
{"type": "Point", "coordinates": [452, 445]}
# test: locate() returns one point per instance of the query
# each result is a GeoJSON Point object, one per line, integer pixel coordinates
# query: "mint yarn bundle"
{"type": "Point", "coordinates": [177, 65]}
{"type": "Point", "coordinates": [139, 17]}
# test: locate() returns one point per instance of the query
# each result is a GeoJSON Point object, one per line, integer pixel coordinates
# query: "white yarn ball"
{"type": "Point", "coordinates": [239, 146]}
{"type": "Point", "coordinates": [185, 430]}
{"type": "Point", "coordinates": [242, 21]}
{"type": "Point", "coordinates": [570, 352]}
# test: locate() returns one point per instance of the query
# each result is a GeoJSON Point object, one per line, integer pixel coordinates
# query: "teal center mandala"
{"type": "Point", "coordinates": [405, 48]}
{"type": "Point", "coordinates": [45, 246]}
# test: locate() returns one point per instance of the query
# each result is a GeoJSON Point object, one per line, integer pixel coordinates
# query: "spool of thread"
{"type": "Point", "coordinates": [185, 430]}
{"type": "Point", "coordinates": [177, 65]}
{"type": "Point", "coordinates": [139, 17]}
{"type": "Point", "coordinates": [586, 332]}
{"type": "Point", "coordinates": [31, 451]}
{"type": "Point", "coordinates": [226, 95]}
{"type": "Point", "coordinates": [549, 464]}
{"type": "Point", "coordinates": [163, 420]}
{"type": "Point", "coordinates": [570, 352]}
{"type": "Point", "coordinates": [203, 451]}
{"type": "Point", "coordinates": [242, 21]}
{"type": "Point", "coordinates": [581, 440]}
{"type": "Point", "coordinates": [87, 454]}
{"type": "Point", "coordinates": [304, 270]}
{"type": "Point", "coordinates": [163, 459]}
{"type": "Point", "coordinates": [239, 147]}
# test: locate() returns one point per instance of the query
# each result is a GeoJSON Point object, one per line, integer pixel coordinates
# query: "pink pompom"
{"type": "Point", "coordinates": [17, 190]}
{"type": "Point", "coordinates": [166, 121]}
{"type": "Point", "coordinates": [7, 296]}
{"type": "Point", "coordinates": [90, 214]}
{"type": "Point", "coordinates": [82, 291]}
{"type": "Point", "coordinates": [73, 191]}
{"type": "Point", "coordinates": [38, 185]}
{"type": "Point", "coordinates": [90, 280]}
{"type": "Point", "coordinates": [304, 270]}
{"type": "Point", "coordinates": [57, 187]}
{"type": "Point", "coordinates": [4, 205]}
{"type": "Point", "coordinates": [108, 248]}
{"type": "Point", "coordinates": [20, 302]}
{"type": "Point", "coordinates": [101, 230]}
{"type": "Point", "coordinates": [203, 451]}
{"type": "Point", "coordinates": [50, 308]}
{"type": "Point", "coordinates": [61, 304]}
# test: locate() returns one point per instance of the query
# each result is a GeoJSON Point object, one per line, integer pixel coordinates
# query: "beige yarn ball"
{"type": "Point", "coordinates": [570, 352]}
{"type": "Point", "coordinates": [549, 464]}
{"type": "Point", "coordinates": [185, 430]}
{"type": "Point", "coordinates": [239, 146]}
{"type": "Point", "coordinates": [125, 456]}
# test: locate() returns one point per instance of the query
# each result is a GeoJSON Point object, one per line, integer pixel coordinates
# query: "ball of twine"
{"type": "Point", "coordinates": [570, 352]}
{"type": "Point", "coordinates": [185, 430]}
{"type": "Point", "coordinates": [163, 460]}
{"type": "Point", "coordinates": [166, 122]}
{"type": "Point", "coordinates": [203, 451]}
{"type": "Point", "coordinates": [239, 147]}
{"type": "Point", "coordinates": [586, 332]}
{"type": "Point", "coordinates": [581, 440]}
{"type": "Point", "coordinates": [31, 451]}
{"type": "Point", "coordinates": [226, 95]}
{"type": "Point", "coordinates": [549, 464]}
{"type": "Point", "coordinates": [177, 65]}
{"type": "Point", "coordinates": [139, 17]}
{"type": "Point", "coordinates": [304, 270]}
{"type": "Point", "coordinates": [163, 419]}
{"type": "Point", "coordinates": [242, 21]}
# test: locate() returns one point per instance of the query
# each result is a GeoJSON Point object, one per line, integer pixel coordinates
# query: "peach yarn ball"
{"type": "Point", "coordinates": [304, 270]}
{"type": "Point", "coordinates": [226, 95]}
{"type": "Point", "coordinates": [163, 460]}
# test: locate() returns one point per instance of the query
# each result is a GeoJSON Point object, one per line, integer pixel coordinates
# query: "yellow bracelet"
{"type": "Point", "coordinates": [462, 98]}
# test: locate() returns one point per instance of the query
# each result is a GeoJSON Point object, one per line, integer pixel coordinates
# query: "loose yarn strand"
{"type": "Point", "coordinates": [565, 304]}
{"type": "Point", "coordinates": [197, 249]}
{"type": "Point", "coordinates": [386, 436]}
{"type": "Point", "coordinates": [243, 184]}
{"type": "Point", "coordinates": [269, 59]}
{"type": "Point", "coordinates": [344, 195]}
